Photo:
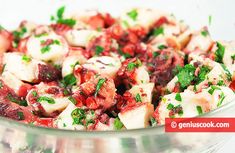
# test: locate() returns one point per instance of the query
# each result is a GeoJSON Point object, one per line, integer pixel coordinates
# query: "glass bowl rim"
{"type": "Point", "coordinates": [9, 123]}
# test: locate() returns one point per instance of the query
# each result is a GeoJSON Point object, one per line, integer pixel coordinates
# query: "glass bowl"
{"type": "Point", "coordinates": [20, 138]}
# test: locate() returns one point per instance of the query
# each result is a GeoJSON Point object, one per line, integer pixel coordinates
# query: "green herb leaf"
{"type": "Point", "coordinates": [60, 12]}
{"type": "Point", "coordinates": [178, 97]}
{"type": "Point", "coordinates": [126, 55]}
{"type": "Point", "coordinates": [133, 14]}
{"type": "Point", "coordinates": [1, 85]}
{"type": "Point", "coordinates": [186, 75]}
{"type": "Point", "coordinates": [161, 47]}
{"type": "Point", "coordinates": [41, 35]}
{"type": "Point", "coordinates": [220, 83]}
{"type": "Point", "coordinates": [199, 110]}
{"type": "Point", "coordinates": [210, 19]}
{"type": "Point", "coordinates": [46, 99]}
{"type": "Point", "coordinates": [16, 100]}
{"type": "Point", "coordinates": [219, 53]}
{"type": "Point", "coordinates": [34, 93]}
{"type": "Point", "coordinates": [99, 85]}
{"type": "Point", "coordinates": [45, 49]}
{"type": "Point", "coordinates": [69, 80]}
{"type": "Point", "coordinates": [57, 42]}
{"type": "Point", "coordinates": [78, 116]}
{"type": "Point", "coordinates": [130, 66]}
{"type": "Point", "coordinates": [155, 54]}
{"type": "Point", "coordinates": [117, 124]}
{"type": "Point", "coordinates": [90, 121]}
{"type": "Point", "coordinates": [212, 89]}
{"type": "Point", "coordinates": [233, 57]}
{"type": "Point", "coordinates": [69, 22]}
{"type": "Point", "coordinates": [204, 33]}
{"type": "Point", "coordinates": [138, 98]}
{"type": "Point", "coordinates": [170, 106]}
{"type": "Point", "coordinates": [20, 115]}
{"type": "Point", "coordinates": [98, 50]}
{"type": "Point", "coordinates": [26, 58]}
{"type": "Point", "coordinates": [73, 100]}
{"type": "Point", "coordinates": [222, 96]}
{"type": "Point", "coordinates": [153, 122]}
{"type": "Point", "coordinates": [158, 31]}
{"type": "Point", "coordinates": [204, 70]}
{"type": "Point", "coordinates": [228, 74]}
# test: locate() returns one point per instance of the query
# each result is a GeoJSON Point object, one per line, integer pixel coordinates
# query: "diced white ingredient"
{"type": "Point", "coordinates": [25, 71]}
{"type": "Point", "coordinates": [224, 93]}
{"type": "Point", "coordinates": [228, 53]}
{"type": "Point", "coordinates": [188, 105]}
{"type": "Point", "coordinates": [60, 102]}
{"type": "Point", "coordinates": [68, 65]}
{"type": "Point", "coordinates": [171, 85]}
{"type": "Point", "coordinates": [65, 120]}
{"type": "Point", "coordinates": [103, 65]}
{"type": "Point", "coordinates": [190, 101]}
{"type": "Point", "coordinates": [145, 18]}
{"type": "Point", "coordinates": [59, 105]}
{"type": "Point", "coordinates": [144, 90]}
{"type": "Point", "coordinates": [105, 127]}
{"type": "Point", "coordinates": [80, 37]}
{"type": "Point", "coordinates": [56, 52]}
{"type": "Point", "coordinates": [142, 75]}
{"type": "Point", "coordinates": [12, 81]}
{"type": "Point", "coordinates": [138, 117]}
{"type": "Point", "coordinates": [199, 42]}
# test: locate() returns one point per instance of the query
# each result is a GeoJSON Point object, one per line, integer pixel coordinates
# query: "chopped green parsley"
{"type": "Point", "coordinates": [46, 99]}
{"type": "Point", "coordinates": [69, 80]}
{"type": "Point", "coordinates": [78, 115]}
{"type": "Point", "coordinates": [138, 98]}
{"type": "Point", "coordinates": [227, 72]}
{"type": "Point", "coordinates": [161, 47]}
{"type": "Point", "coordinates": [98, 50]}
{"type": "Point", "coordinates": [117, 124]}
{"type": "Point", "coordinates": [59, 18]}
{"type": "Point", "coordinates": [73, 100]}
{"type": "Point", "coordinates": [20, 115]}
{"type": "Point", "coordinates": [178, 97]}
{"type": "Point", "coordinates": [204, 33]}
{"type": "Point", "coordinates": [185, 75]}
{"type": "Point", "coordinates": [99, 85]}
{"type": "Point", "coordinates": [158, 31]}
{"type": "Point", "coordinates": [219, 53]}
{"type": "Point", "coordinates": [222, 97]}
{"type": "Point", "coordinates": [132, 65]}
{"type": "Point", "coordinates": [212, 89]}
{"type": "Point", "coordinates": [133, 14]}
{"type": "Point", "coordinates": [26, 58]}
{"type": "Point", "coordinates": [155, 54]}
{"type": "Point", "coordinates": [199, 110]}
{"type": "Point", "coordinates": [170, 106]}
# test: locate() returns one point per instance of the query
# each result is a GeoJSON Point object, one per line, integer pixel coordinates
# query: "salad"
{"type": "Point", "coordinates": [93, 71]}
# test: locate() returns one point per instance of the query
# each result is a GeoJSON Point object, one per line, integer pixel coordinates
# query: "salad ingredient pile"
{"type": "Point", "coordinates": [99, 72]}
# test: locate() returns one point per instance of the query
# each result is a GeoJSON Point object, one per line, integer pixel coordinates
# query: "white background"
{"type": "Point", "coordinates": [194, 12]}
